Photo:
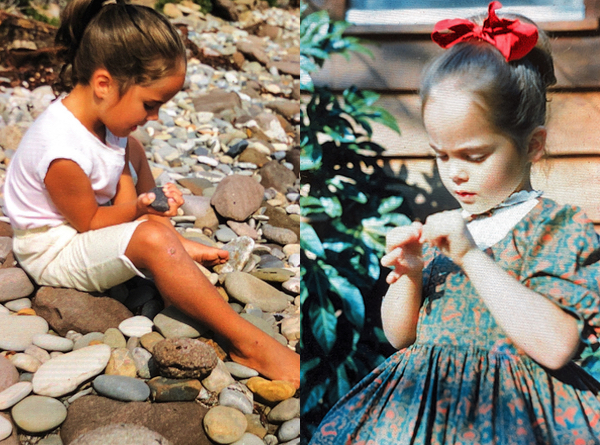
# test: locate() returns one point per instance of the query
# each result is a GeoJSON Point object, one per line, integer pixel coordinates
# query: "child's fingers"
{"type": "Point", "coordinates": [400, 236]}
{"type": "Point", "coordinates": [174, 195]}
{"type": "Point", "coordinates": [147, 198]}
{"type": "Point", "coordinates": [391, 258]}
{"type": "Point", "coordinates": [392, 277]}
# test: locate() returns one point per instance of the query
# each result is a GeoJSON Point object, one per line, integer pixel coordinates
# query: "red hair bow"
{"type": "Point", "coordinates": [512, 38]}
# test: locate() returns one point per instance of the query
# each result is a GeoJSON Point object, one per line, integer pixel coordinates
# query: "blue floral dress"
{"type": "Point", "coordinates": [463, 381]}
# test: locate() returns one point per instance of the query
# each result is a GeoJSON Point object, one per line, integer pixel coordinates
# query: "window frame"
{"type": "Point", "coordinates": [337, 11]}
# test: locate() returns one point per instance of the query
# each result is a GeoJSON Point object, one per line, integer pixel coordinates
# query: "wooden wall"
{"type": "Point", "coordinates": [571, 173]}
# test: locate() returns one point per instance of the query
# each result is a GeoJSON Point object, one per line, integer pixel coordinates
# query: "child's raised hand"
{"type": "Point", "coordinates": [448, 232]}
{"type": "Point", "coordinates": [174, 200]}
{"type": "Point", "coordinates": [404, 251]}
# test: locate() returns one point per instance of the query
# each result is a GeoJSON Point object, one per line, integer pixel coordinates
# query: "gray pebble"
{"type": "Point", "coordinates": [289, 430]}
{"type": "Point", "coordinates": [127, 389]}
{"type": "Point", "coordinates": [284, 411]}
{"type": "Point", "coordinates": [240, 371]}
{"type": "Point", "coordinates": [86, 339]}
{"type": "Point", "coordinates": [237, 396]}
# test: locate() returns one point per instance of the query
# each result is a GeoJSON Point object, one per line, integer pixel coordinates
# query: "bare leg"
{"type": "Point", "coordinates": [178, 279]}
{"type": "Point", "coordinates": [205, 255]}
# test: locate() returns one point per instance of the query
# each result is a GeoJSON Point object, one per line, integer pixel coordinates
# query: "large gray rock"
{"type": "Point", "coordinates": [237, 197]}
{"type": "Point", "coordinates": [121, 433]}
{"type": "Point", "coordinates": [248, 289]}
{"type": "Point", "coordinates": [14, 283]}
{"type": "Point", "coordinates": [69, 309]}
{"type": "Point", "coordinates": [178, 422]}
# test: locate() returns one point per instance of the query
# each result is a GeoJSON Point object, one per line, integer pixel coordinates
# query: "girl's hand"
{"type": "Point", "coordinates": [404, 251]}
{"type": "Point", "coordinates": [174, 198]}
{"type": "Point", "coordinates": [448, 232]}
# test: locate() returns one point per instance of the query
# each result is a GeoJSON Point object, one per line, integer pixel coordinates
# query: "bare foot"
{"type": "Point", "coordinates": [205, 255]}
{"type": "Point", "coordinates": [272, 360]}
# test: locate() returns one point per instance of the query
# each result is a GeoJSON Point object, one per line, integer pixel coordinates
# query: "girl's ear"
{"type": "Point", "coordinates": [102, 82]}
{"type": "Point", "coordinates": [537, 144]}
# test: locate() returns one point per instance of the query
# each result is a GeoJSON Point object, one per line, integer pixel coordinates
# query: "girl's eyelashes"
{"type": "Point", "coordinates": [479, 157]}
{"type": "Point", "coordinates": [476, 158]}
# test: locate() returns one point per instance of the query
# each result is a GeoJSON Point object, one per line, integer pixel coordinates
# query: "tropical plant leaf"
{"type": "Point", "coordinates": [352, 300]}
{"type": "Point", "coordinates": [309, 240]}
{"type": "Point", "coordinates": [390, 204]}
{"type": "Point", "coordinates": [324, 323]}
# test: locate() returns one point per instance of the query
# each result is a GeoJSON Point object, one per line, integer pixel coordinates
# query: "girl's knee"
{"type": "Point", "coordinates": [153, 235]}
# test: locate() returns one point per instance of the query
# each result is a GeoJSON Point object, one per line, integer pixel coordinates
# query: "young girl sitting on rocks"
{"type": "Point", "coordinates": [126, 62]}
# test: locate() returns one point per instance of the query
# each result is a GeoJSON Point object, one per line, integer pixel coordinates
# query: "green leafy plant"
{"type": "Point", "coordinates": [347, 209]}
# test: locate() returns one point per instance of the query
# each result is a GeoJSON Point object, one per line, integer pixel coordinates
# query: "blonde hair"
{"type": "Point", "coordinates": [135, 44]}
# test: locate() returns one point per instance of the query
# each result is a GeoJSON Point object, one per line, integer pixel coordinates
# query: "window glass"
{"type": "Point", "coordinates": [413, 12]}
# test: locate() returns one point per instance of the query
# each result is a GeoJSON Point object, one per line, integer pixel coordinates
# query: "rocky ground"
{"type": "Point", "coordinates": [118, 368]}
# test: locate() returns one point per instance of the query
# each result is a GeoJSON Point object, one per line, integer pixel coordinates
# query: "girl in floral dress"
{"type": "Point", "coordinates": [490, 305]}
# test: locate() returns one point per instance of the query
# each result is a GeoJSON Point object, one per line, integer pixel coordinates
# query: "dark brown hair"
{"type": "Point", "coordinates": [514, 92]}
{"type": "Point", "coordinates": [135, 44]}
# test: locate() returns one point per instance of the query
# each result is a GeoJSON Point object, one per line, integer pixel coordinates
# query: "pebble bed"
{"type": "Point", "coordinates": [117, 368]}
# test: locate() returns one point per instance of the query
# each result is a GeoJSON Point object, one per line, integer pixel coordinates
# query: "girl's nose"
{"type": "Point", "coordinates": [458, 173]}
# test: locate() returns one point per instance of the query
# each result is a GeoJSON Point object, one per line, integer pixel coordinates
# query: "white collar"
{"type": "Point", "coordinates": [489, 228]}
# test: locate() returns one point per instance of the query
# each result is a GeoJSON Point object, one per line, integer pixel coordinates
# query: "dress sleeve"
{"type": "Point", "coordinates": [561, 263]}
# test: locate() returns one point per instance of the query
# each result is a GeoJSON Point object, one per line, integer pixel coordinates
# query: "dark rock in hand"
{"type": "Point", "coordinates": [161, 202]}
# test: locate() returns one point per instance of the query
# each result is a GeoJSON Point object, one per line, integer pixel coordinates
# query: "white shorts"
{"type": "Point", "coordinates": [62, 257]}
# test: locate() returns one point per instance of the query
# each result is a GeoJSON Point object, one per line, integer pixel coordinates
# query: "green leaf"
{"type": "Point", "coordinates": [352, 300]}
{"type": "Point", "coordinates": [315, 396]}
{"type": "Point", "coordinates": [386, 118]}
{"type": "Point", "coordinates": [332, 206]}
{"type": "Point", "coordinates": [390, 204]}
{"type": "Point", "coordinates": [343, 387]}
{"type": "Point", "coordinates": [307, 366]}
{"type": "Point", "coordinates": [324, 324]}
{"type": "Point", "coordinates": [309, 240]}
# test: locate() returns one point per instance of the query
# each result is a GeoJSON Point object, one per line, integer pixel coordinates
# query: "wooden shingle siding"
{"type": "Point", "coordinates": [399, 60]}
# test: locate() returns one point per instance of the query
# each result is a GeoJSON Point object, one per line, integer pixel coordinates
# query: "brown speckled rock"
{"type": "Point", "coordinates": [182, 358]}
{"type": "Point", "coordinates": [237, 197]}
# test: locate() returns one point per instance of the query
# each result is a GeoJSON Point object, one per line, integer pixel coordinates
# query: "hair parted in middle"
{"type": "Point", "coordinates": [134, 43]}
{"type": "Point", "coordinates": [514, 92]}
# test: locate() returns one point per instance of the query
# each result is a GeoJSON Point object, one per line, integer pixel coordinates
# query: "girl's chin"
{"type": "Point", "coordinates": [476, 209]}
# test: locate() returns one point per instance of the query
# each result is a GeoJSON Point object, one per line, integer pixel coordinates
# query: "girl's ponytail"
{"type": "Point", "coordinates": [74, 19]}
{"type": "Point", "coordinates": [136, 44]}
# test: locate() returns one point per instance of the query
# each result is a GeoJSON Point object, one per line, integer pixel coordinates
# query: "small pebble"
{"type": "Point", "coordinates": [289, 430]}
{"type": "Point", "coordinates": [5, 428]}
{"type": "Point", "coordinates": [51, 342]}
{"type": "Point", "coordinates": [136, 326]}
{"type": "Point", "coordinates": [14, 394]}
{"type": "Point", "coordinates": [37, 414]}
{"type": "Point", "coordinates": [240, 371]}
{"type": "Point", "coordinates": [126, 389]}
{"type": "Point", "coordinates": [224, 425]}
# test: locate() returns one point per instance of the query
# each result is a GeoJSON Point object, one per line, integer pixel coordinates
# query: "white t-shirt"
{"type": "Point", "coordinates": [57, 134]}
